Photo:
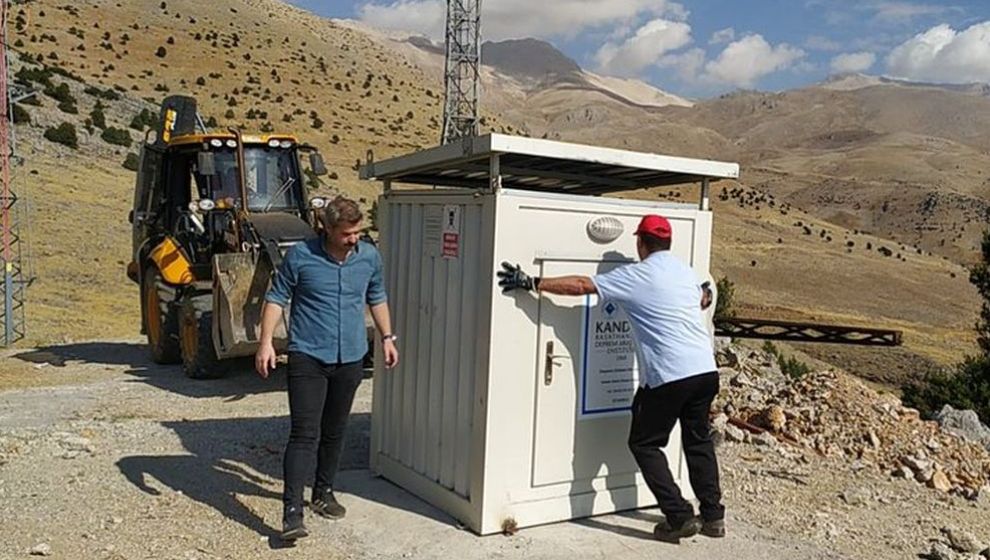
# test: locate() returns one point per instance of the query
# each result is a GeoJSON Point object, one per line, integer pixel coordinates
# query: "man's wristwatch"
{"type": "Point", "coordinates": [389, 336]}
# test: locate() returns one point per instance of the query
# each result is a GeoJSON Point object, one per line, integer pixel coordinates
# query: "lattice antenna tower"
{"type": "Point", "coordinates": [13, 284]}
{"type": "Point", "coordinates": [462, 69]}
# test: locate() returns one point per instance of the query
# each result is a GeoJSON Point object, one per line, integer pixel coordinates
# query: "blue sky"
{"type": "Point", "coordinates": [701, 48]}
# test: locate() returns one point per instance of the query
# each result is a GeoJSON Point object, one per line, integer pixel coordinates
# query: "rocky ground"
{"type": "Point", "coordinates": [115, 458]}
{"type": "Point", "coordinates": [829, 458]}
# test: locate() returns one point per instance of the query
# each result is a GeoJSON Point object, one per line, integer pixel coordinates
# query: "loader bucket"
{"type": "Point", "coordinates": [240, 281]}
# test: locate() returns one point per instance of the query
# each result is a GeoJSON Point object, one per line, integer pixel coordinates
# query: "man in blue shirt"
{"type": "Point", "coordinates": [328, 280]}
{"type": "Point", "coordinates": [678, 376]}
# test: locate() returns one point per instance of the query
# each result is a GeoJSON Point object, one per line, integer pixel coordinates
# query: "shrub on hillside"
{"type": "Point", "coordinates": [144, 119]}
{"type": "Point", "coordinates": [726, 297]}
{"type": "Point", "coordinates": [98, 118]}
{"type": "Point", "coordinates": [965, 387]}
{"type": "Point", "coordinates": [29, 76]}
{"type": "Point", "coordinates": [968, 385]}
{"type": "Point", "coordinates": [21, 115]}
{"type": "Point", "coordinates": [131, 162]}
{"type": "Point", "coordinates": [117, 136]}
{"type": "Point", "coordinates": [789, 366]}
{"type": "Point", "coordinates": [108, 94]}
{"type": "Point", "coordinates": [64, 134]}
{"type": "Point", "coordinates": [60, 93]}
{"type": "Point", "coordinates": [68, 107]}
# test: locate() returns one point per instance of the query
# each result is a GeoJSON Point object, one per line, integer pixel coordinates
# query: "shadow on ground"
{"type": "Point", "coordinates": [598, 523]}
{"type": "Point", "coordinates": [243, 457]}
{"type": "Point", "coordinates": [239, 380]}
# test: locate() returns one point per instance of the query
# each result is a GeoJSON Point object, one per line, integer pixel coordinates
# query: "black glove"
{"type": "Point", "coordinates": [706, 295]}
{"type": "Point", "coordinates": [512, 277]}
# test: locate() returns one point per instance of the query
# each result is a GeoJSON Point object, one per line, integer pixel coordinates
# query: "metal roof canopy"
{"type": "Point", "coordinates": [495, 161]}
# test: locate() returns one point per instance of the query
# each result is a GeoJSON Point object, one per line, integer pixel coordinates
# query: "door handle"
{"type": "Point", "coordinates": [548, 366]}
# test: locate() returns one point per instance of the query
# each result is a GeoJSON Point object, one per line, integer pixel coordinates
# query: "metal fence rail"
{"type": "Point", "coordinates": [806, 332]}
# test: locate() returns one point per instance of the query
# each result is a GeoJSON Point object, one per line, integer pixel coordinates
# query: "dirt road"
{"type": "Point", "coordinates": [108, 456]}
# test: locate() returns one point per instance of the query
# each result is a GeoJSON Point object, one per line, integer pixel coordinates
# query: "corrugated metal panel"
{"type": "Point", "coordinates": [428, 405]}
{"type": "Point", "coordinates": [470, 314]}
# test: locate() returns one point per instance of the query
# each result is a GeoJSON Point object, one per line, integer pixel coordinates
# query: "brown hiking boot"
{"type": "Point", "coordinates": [714, 528]}
{"type": "Point", "coordinates": [666, 533]}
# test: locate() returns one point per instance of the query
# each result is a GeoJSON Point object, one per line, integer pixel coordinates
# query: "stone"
{"type": "Point", "coordinates": [873, 439]}
{"type": "Point", "coordinates": [76, 443]}
{"type": "Point", "coordinates": [741, 380]}
{"type": "Point", "coordinates": [727, 356]}
{"type": "Point", "coordinates": [965, 424]}
{"type": "Point", "coordinates": [941, 551]}
{"type": "Point", "coordinates": [856, 496]}
{"type": "Point", "coordinates": [764, 438]}
{"type": "Point", "coordinates": [940, 482]}
{"type": "Point", "coordinates": [775, 419]}
{"type": "Point", "coordinates": [910, 413]}
{"type": "Point", "coordinates": [963, 541]}
{"type": "Point", "coordinates": [915, 464]}
{"type": "Point", "coordinates": [734, 434]}
{"type": "Point", "coordinates": [43, 549]}
{"type": "Point", "coordinates": [727, 373]}
{"type": "Point", "coordinates": [903, 472]}
{"type": "Point", "coordinates": [720, 422]}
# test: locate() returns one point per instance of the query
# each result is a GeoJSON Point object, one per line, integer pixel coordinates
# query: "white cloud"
{"type": "Point", "coordinates": [747, 60]}
{"type": "Point", "coordinates": [507, 19]}
{"type": "Point", "coordinates": [687, 64]}
{"type": "Point", "coordinates": [648, 45]}
{"type": "Point", "coordinates": [853, 62]}
{"type": "Point", "coordinates": [942, 54]}
{"type": "Point", "coordinates": [722, 36]}
{"type": "Point", "coordinates": [425, 17]}
{"type": "Point", "coordinates": [819, 43]}
{"type": "Point", "coordinates": [899, 12]}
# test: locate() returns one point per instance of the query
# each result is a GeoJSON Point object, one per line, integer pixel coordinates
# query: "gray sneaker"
{"type": "Point", "coordinates": [714, 528]}
{"type": "Point", "coordinates": [664, 532]}
{"type": "Point", "coordinates": [326, 505]}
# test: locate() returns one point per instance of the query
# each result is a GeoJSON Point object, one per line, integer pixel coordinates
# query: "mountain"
{"type": "Point", "coordinates": [850, 81]}
{"type": "Point", "coordinates": [830, 178]}
{"type": "Point", "coordinates": [529, 59]}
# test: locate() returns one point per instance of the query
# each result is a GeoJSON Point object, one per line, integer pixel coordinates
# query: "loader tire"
{"type": "Point", "coordinates": [199, 358]}
{"type": "Point", "coordinates": [161, 319]}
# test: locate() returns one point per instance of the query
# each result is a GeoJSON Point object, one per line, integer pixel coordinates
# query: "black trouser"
{"type": "Point", "coordinates": [320, 398]}
{"type": "Point", "coordinates": [654, 413]}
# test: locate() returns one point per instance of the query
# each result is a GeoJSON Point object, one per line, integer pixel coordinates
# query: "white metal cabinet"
{"type": "Point", "coordinates": [472, 420]}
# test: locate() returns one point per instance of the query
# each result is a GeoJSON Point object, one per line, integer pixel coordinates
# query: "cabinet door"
{"type": "Point", "coordinates": [586, 379]}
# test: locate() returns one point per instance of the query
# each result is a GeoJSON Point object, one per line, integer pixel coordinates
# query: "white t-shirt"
{"type": "Point", "coordinates": [662, 297]}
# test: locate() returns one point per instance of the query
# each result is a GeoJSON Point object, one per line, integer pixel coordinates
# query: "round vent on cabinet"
{"type": "Point", "coordinates": [605, 229]}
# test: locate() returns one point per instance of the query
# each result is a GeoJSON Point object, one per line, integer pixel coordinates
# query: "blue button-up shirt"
{"type": "Point", "coordinates": [326, 319]}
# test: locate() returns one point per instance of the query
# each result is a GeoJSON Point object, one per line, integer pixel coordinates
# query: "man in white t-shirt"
{"type": "Point", "coordinates": [678, 376]}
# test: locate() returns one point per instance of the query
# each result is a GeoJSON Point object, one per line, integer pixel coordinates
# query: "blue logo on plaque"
{"type": "Point", "coordinates": [610, 308]}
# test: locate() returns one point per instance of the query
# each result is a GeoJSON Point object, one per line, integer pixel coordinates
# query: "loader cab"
{"type": "Point", "coordinates": [268, 180]}
{"type": "Point", "coordinates": [194, 187]}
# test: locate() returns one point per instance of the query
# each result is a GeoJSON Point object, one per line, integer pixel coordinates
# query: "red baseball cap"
{"type": "Point", "coordinates": [654, 225]}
